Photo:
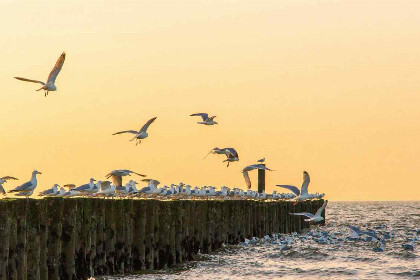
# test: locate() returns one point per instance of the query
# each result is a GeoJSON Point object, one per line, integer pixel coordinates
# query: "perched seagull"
{"type": "Point", "coordinates": [206, 119]}
{"type": "Point", "coordinates": [50, 192]}
{"type": "Point", "coordinates": [86, 188]}
{"type": "Point", "coordinates": [28, 186]}
{"type": "Point", "coordinates": [117, 174]}
{"type": "Point", "coordinates": [311, 217]}
{"type": "Point", "coordinates": [249, 168]}
{"type": "Point", "coordinates": [4, 180]}
{"type": "Point", "coordinates": [106, 188]}
{"type": "Point", "coordinates": [49, 86]}
{"type": "Point", "coordinates": [261, 160]}
{"type": "Point", "coordinates": [141, 134]}
{"type": "Point", "coordinates": [301, 194]}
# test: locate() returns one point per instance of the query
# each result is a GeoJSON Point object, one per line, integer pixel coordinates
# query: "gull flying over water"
{"type": "Point", "coordinates": [141, 134]}
{"type": "Point", "coordinates": [28, 186]}
{"type": "Point", "coordinates": [311, 217]}
{"type": "Point", "coordinates": [50, 85]}
{"type": "Point", "coordinates": [301, 194]}
{"type": "Point", "coordinates": [252, 167]}
{"type": "Point", "coordinates": [206, 119]}
{"type": "Point", "coordinates": [117, 174]}
{"type": "Point", "coordinates": [4, 180]}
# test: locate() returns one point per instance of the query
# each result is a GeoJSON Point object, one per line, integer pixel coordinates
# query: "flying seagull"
{"type": "Point", "coordinates": [141, 134]}
{"type": "Point", "coordinates": [116, 175]}
{"type": "Point", "coordinates": [49, 86]}
{"type": "Point", "coordinates": [301, 194]}
{"type": "Point", "coordinates": [4, 180]}
{"type": "Point", "coordinates": [252, 167]}
{"type": "Point", "coordinates": [28, 186]}
{"type": "Point", "coordinates": [311, 217]}
{"type": "Point", "coordinates": [206, 119]}
{"type": "Point", "coordinates": [231, 154]}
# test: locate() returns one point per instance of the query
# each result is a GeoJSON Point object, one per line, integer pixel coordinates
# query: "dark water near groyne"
{"type": "Point", "coordinates": [311, 258]}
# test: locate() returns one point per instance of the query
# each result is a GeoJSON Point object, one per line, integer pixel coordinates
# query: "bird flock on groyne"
{"type": "Point", "coordinates": [115, 187]}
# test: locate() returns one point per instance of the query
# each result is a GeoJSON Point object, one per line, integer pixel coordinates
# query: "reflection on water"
{"type": "Point", "coordinates": [308, 259]}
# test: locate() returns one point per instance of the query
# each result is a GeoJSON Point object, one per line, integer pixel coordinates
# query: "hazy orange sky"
{"type": "Point", "coordinates": [331, 87]}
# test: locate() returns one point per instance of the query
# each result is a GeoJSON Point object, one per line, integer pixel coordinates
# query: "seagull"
{"type": "Point", "coordinates": [106, 188]}
{"type": "Point", "coordinates": [141, 134]}
{"type": "Point", "coordinates": [311, 217]}
{"type": "Point", "coordinates": [49, 86]}
{"type": "Point", "coordinates": [50, 192]}
{"type": "Point", "coordinates": [301, 194]}
{"type": "Point", "coordinates": [206, 119]}
{"type": "Point", "coordinates": [86, 188]}
{"type": "Point", "coordinates": [117, 174]}
{"type": "Point", "coordinates": [231, 154]}
{"type": "Point", "coordinates": [252, 167]}
{"type": "Point", "coordinates": [261, 160]}
{"type": "Point", "coordinates": [28, 186]}
{"type": "Point", "coordinates": [4, 180]}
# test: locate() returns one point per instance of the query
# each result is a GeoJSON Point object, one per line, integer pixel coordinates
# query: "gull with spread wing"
{"type": "Point", "coordinates": [301, 194]}
{"type": "Point", "coordinates": [311, 217]}
{"type": "Point", "coordinates": [50, 85]}
{"type": "Point", "coordinates": [138, 135]}
{"type": "Point", "coordinates": [116, 175]}
{"type": "Point", "coordinates": [252, 167]}
{"type": "Point", "coordinates": [206, 119]}
{"type": "Point", "coordinates": [4, 180]}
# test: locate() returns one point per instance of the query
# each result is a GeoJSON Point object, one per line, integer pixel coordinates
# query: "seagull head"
{"type": "Point", "coordinates": [36, 172]}
{"type": "Point", "coordinates": [92, 180]}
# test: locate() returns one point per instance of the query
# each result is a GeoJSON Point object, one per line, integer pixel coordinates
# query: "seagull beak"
{"type": "Point", "coordinates": [39, 172]}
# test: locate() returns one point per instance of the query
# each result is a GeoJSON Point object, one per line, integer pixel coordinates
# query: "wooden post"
{"type": "Point", "coordinates": [4, 239]}
{"type": "Point", "coordinates": [261, 180]}
{"type": "Point", "coordinates": [32, 236]}
{"type": "Point", "coordinates": [21, 246]}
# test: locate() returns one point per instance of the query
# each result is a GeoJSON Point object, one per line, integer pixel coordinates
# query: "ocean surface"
{"type": "Point", "coordinates": [314, 258]}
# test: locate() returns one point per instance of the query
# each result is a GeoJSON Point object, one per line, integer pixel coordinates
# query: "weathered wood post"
{"type": "Point", "coordinates": [21, 245]}
{"type": "Point", "coordinates": [32, 236]}
{"type": "Point", "coordinates": [68, 239]}
{"type": "Point", "coordinates": [11, 266]}
{"type": "Point", "coordinates": [261, 180]}
{"type": "Point", "coordinates": [4, 239]}
{"type": "Point", "coordinates": [55, 230]}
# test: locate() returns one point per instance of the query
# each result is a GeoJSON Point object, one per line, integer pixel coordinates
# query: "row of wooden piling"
{"type": "Point", "coordinates": [75, 238]}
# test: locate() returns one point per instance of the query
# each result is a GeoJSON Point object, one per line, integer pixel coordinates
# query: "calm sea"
{"type": "Point", "coordinates": [308, 259]}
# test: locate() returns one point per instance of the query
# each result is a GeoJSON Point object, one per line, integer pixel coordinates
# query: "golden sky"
{"type": "Point", "coordinates": [331, 87]}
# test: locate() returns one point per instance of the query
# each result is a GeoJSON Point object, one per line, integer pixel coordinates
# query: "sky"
{"type": "Point", "coordinates": [330, 87]}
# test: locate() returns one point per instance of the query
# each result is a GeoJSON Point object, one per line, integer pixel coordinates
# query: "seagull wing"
{"type": "Point", "coordinates": [29, 80]}
{"type": "Point", "coordinates": [2, 191]}
{"type": "Point", "coordinates": [126, 131]}
{"type": "Point", "coordinates": [8, 178]}
{"type": "Point", "coordinates": [57, 68]}
{"type": "Point", "coordinates": [141, 175]}
{"type": "Point", "coordinates": [117, 180]}
{"type": "Point", "coordinates": [105, 185]}
{"type": "Point", "coordinates": [82, 188]}
{"type": "Point", "coordinates": [146, 126]}
{"type": "Point", "coordinates": [305, 184]}
{"type": "Point", "coordinates": [319, 212]}
{"type": "Point", "coordinates": [204, 116]}
{"type": "Point", "coordinates": [247, 180]}
{"type": "Point", "coordinates": [210, 118]}
{"type": "Point", "coordinates": [309, 215]}
{"type": "Point", "coordinates": [294, 189]}
{"type": "Point", "coordinates": [24, 187]}
{"type": "Point", "coordinates": [355, 229]}
{"type": "Point", "coordinates": [231, 153]}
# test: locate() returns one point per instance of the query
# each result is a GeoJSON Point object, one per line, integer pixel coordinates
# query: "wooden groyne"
{"type": "Point", "coordinates": [75, 238]}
